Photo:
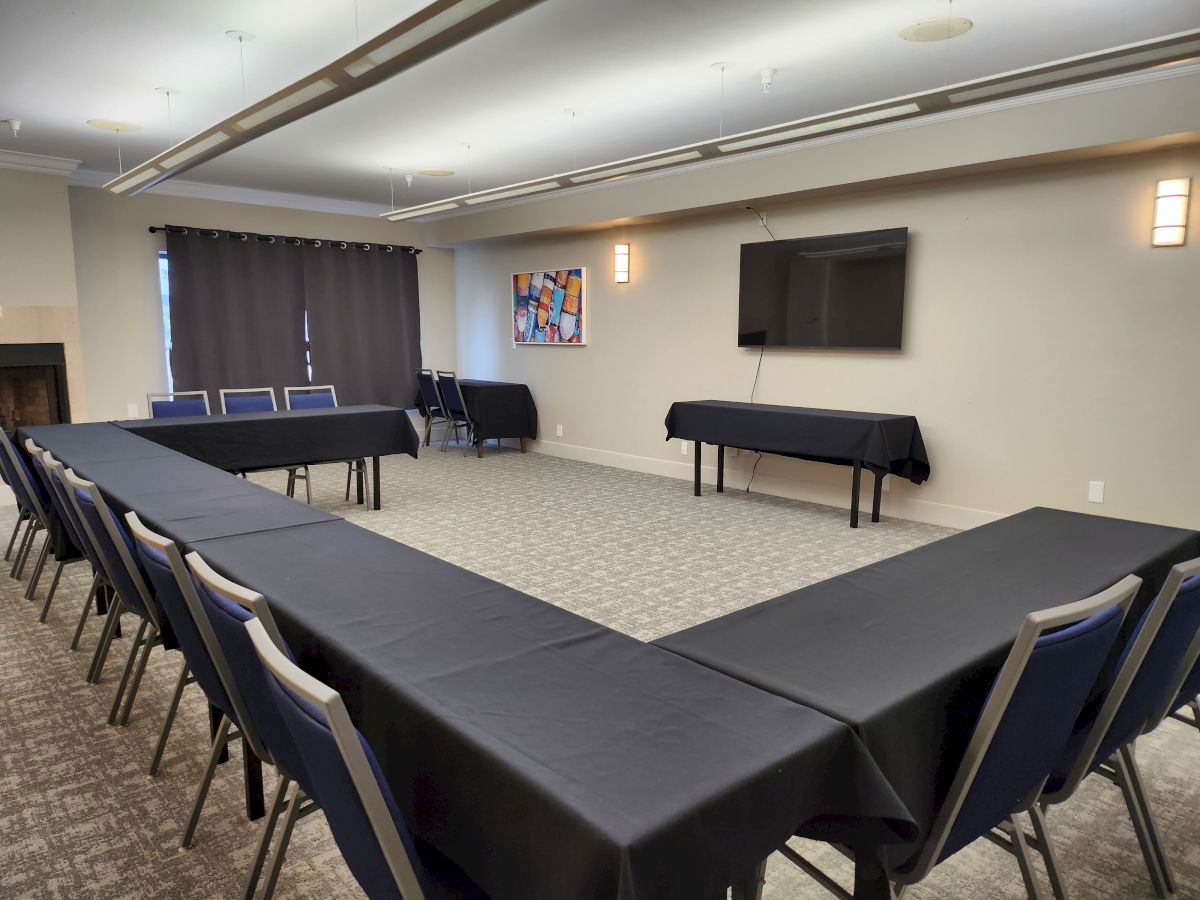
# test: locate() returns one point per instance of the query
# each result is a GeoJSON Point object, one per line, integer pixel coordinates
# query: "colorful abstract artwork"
{"type": "Point", "coordinates": [548, 307]}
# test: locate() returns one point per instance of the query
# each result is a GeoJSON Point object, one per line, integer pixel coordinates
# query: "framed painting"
{"type": "Point", "coordinates": [549, 307]}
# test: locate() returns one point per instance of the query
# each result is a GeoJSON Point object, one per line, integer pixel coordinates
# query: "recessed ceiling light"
{"type": "Point", "coordinates": [436, 173]}
{"type": "Point", "coordinates": [111, 125]}
{"type": "Point", "coordinates": [942, 29]}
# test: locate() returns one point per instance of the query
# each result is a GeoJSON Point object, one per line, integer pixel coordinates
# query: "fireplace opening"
{"type": "Point", "coordinates": [33, 386]}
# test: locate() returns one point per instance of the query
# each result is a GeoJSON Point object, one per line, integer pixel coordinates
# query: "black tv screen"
{"type": "Point", "coordinates": [841, 290]}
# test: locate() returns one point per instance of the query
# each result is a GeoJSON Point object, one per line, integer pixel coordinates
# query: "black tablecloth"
{"type": "Point", "coordinates": [239, 442]}
{"type": "Point", "coordinates": [547, 755]}
{"type": "Point", "coordinates": [77, 445]}
{"type": "Point", "coordinates": [885, 443]}
{"type": "Point", "coordinates": [500, 409]}
{"type": "Point", "coordinates": [905, 650]}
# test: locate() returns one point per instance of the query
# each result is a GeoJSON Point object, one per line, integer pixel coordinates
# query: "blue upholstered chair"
{"type": "Point", "coordinates": [226, 607]}
{"type": "Point", "coordinates": [1025, 723]}
{"type": "Point", "coordinates": [69, 546]}
{"type": "Point", "coordinates": [1153, 670]}
{"type": "Point", "coordinates": [345, 779]}
{"type": "Point", "coordinates": [455, 408]}
{"type": "Point", "coordinates": [320, 396]}
{"type": "Point", "coordinates": [118, 558]}
{"type": "Point", "coordinates": [32, 499]}
{"type": "Point", "coordinates": [244, 400]}
{"type": "Point", "coordinates": [178, 403]}
{"type": "Point", "coordinates": [22, 513]}
{"type": "Point", "coordinates": [431, 399]}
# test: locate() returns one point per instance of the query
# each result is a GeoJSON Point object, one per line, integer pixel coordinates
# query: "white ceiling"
{"type": "Point", "coordinates": [638, 71]}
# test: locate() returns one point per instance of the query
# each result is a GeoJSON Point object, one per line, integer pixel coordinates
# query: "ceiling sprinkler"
{"type": "Point", "coordinates": [766, 76]}
{"type": "Point", "coordinates": [14, 125]}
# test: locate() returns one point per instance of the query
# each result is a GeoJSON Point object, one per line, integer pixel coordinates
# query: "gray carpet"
{"type": "Point", "coordinates": [81, 818]}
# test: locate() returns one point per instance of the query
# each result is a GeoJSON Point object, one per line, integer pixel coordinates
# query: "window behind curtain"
{"type": "Point", "coordinates": [164, 287]}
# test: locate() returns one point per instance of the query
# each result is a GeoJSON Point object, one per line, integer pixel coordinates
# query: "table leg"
{"type": "Point", "coordinates": [696, 450]}
{"type": "Point", "coordinates": [870, 880]}
{"type": "Point", "coordinates": [252, 768]}
{"type": "Point", "coordinates": [523, 448]}
{"type": "Point", "coordinates": [479, 449]}
{"type": "Point", "coordinates": [214, 722]}
{"type": "Point", "coordinates": [720, 468]}
{"type": "Point", "coordinates": [877, 497]}
{"type": "Point", "coordinates": [360, 481]}
{"type": "Point", "coordinates": [854, 493]}
{"type": "Point", "coordinates": [375, 479]}
{"type": "Point", "coordinates": [751, 888]}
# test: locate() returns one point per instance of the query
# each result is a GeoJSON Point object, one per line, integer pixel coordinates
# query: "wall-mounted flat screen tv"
{"type": "Point", "coordinates": [841, 290]}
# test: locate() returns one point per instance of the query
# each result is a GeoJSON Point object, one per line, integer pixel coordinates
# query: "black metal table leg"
{"type": "Point", "coordinates": [854, 493]}
{"type": "Point", "coordinates": [720, 468]}
{"type": "Point", "coordinates": [696, 450]}
{"type": "Point", "coordinates": [751, 887]}
{"type": "Point", "coordinates": [375, 479]}
{"type": "Point", "coordinates": [252, 768]}
{"type": "Point", "coordinates": [877, 497]}
{"type": "Point", "coordinates": [870, 880]}
{"type": "Point", "coordinates": [360, 482]}
{"type": "Point", "coordinates": [214, 721]}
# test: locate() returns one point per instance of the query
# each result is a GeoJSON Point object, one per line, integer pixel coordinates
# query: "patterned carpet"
{"type": "Point", "coordinates": [81, 818]}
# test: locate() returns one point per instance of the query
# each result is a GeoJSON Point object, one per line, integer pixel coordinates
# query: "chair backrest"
{"type": "Point", "coordinates": [26, 488]}
{"type": "Point", "coordinates": [1143, 686]}
{"type": "Point", "coordinates": [178, 403]}
{"type": "Point", "coordinates": [58, 502]}
{"type": "Point", "coordinates": [113, 547]}
{"type": "Point", "coordinates": [236, 400]}
{"type": "Point", "coordinates": [58, 482]}
{"type": "Point", "coordinates": [345, 778]}
{"type": "Point", "coordinates": [310, 396]}
{"type": "Point", "coordinates": [451, 391]}
{"type": "Point", "coordinates": [1026, 719]}
{"type": "Point", "coordinates": [429, 392]}
{"type": "Point", "coordinates": [176, 592]}
{"type": "Point", "coordinates": [227, 606]}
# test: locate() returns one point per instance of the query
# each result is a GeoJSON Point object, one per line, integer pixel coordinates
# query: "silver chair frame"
{"type": "Point", "coordinates": [100, 585]}
{"type": "Point", "coordinates": [37, 521]}
{"type": "Point", "coordinates": [430, 419]}
{"type": "Point", "coordinates": [269, 391]}
{"type": "Point", "coordinates": [329, 703]}
{"type": "Point", "coordinates": [171, 395]}
{"type": "Point", "coordinates": [451, 421]}
{"type": "Point", "coordinates": [287, 799]}
{"type": "Point", "coordinates": [353, 466]}
{"type": "Point", "coordinates": [38, 455]}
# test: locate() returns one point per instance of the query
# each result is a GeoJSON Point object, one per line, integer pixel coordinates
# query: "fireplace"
{"type": "Point", "coordinates": [33, 385]}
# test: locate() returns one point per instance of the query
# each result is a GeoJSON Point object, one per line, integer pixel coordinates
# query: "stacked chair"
{"type": "Point", "coordinates": [455, 408]}
{"type": "Point", "coordinates": [431, 399]}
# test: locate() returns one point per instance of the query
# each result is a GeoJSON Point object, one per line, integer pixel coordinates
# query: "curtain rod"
{"type": "Point", "coordinates": [270, 238]}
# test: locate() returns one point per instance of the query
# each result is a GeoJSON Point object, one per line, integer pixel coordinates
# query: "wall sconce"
{"type": "Point", "coordinates": [1170, 213]}
{"type": "Point", "coordinates": [621, 263]}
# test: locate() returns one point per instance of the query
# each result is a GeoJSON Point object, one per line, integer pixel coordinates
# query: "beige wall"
{"type": "Point", "coordinates": [36, 267]}
{"type": "Point", "coordinates": [119, 300]}
{"type": "Point", "coordinates": [1046, 344]}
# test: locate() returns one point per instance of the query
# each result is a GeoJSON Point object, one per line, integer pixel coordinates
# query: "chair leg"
{"type": "Point", "coordinates": [13, 540]}
{"type": "Point", "coordinates": [1057, 885]}
{"type": "Point", "coordinates": [87, 608]}
{"type": "Point", "coordinates": [151, 642]}
{"type": "Point", "coordinates": [264, 839]}
{"type": "Point", "coordinates": [23, 552]}
{"type": "Point", "coordinates": [220, 739]}
{"type": "Point", "coordinates": [428, 433]}
{"type": "Point", "coordinates": [1137, 818]}
{"type": "Point", "coordinates": [182, 682]}
{"type": "Point", "coordinates": [285, 837]}
{"type": "Point", "coordinates": [130, 665]}
{"type": "Point", "coordinates": [111, 622]}
{"type": "Point", "coordinates": [1021, 850]}
{"type": "Point", "coordinates": [1139, 792]}
{"type": "Point", "coordinates": [50, 593]}
{"type": "Point", "coordinates": [38, 567]}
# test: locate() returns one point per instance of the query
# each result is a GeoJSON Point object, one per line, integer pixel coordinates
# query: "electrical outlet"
{"type": "Point", "coordinates": [558, 430]}
{"type": "Point", "coordinates": [131, 410]}
{"type": "Point", "coordinates": [1095, 492]}
{"type": "Point", "coordinates": [683, 447]}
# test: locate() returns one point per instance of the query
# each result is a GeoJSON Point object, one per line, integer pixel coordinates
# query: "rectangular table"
{"type": "Point", "coordinates": [882, 442]}
{"type": "Point", "coordinates": [241, 442]}
{"type": "Point", "coordinates": [547, 755]}
{"type": "Point", "coordinates": [905, 650]}
{"type": "Point", "coordinates": [499, 409]}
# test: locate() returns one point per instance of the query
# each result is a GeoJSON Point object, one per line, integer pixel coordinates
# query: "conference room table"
{"type": "Point", "coordinates": [499, 409]}
{"type": "Point", "coordinates": [504, 723]}
{"type": "Point", "coordinates": [905, 650]}
{"type": "Point", "coordinates": [883, 443]}
{"type": "Point", "coordinates": [245, 442]}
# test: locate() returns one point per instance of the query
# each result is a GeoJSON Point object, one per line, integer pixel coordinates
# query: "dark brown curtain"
{"type": "Point", "coordinates": [364, 321]}
{"type": "Point", "coordinates": [237, 312]}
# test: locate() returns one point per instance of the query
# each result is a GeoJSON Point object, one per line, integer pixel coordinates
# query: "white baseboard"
{"type": "Point", "coordinates": [927, 511]}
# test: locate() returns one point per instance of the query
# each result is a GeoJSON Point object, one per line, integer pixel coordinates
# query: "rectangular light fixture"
{"type": "Point", "coordinates": [125, 183]}
{"type": "Point", "coordinates": [291, 101]}
{"type": "Point", "coordinates": [419, 211]}
{"type": "Point", "coordinates": [1171, 212]}
{"type": "Point", "coordinates": [641, 166]}
{"type": "Point", "coordinates": [513, 192]}
{"type": "Point", "coordinates": [874, 115]}
{"type": "Point", "coordinates": [621, 263]}
{"type": "Point", "coordinates": [213, 140]}
{"type": "Point", "coordinates": [432, 26]}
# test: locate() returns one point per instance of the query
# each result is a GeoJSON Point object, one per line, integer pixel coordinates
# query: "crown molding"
{"type": "Point", "coordinates": [196, 190]}
{"type": "Point", "coordinates": [34, 162]}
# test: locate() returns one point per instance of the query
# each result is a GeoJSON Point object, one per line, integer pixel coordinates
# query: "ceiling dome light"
{"type": "Point", "coordinates": [943, 29]}
{"type": "Point", "coordinates": [436, 173]}
{"type": "Point", "coordinates": [111, 125]}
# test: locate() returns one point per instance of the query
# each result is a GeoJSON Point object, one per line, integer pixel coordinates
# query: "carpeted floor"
{"type": "Point", "coordinates": [80, 817]}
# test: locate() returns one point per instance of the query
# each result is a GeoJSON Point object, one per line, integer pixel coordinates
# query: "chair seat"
{"type": "Point", "coordinates": [445, 880]}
